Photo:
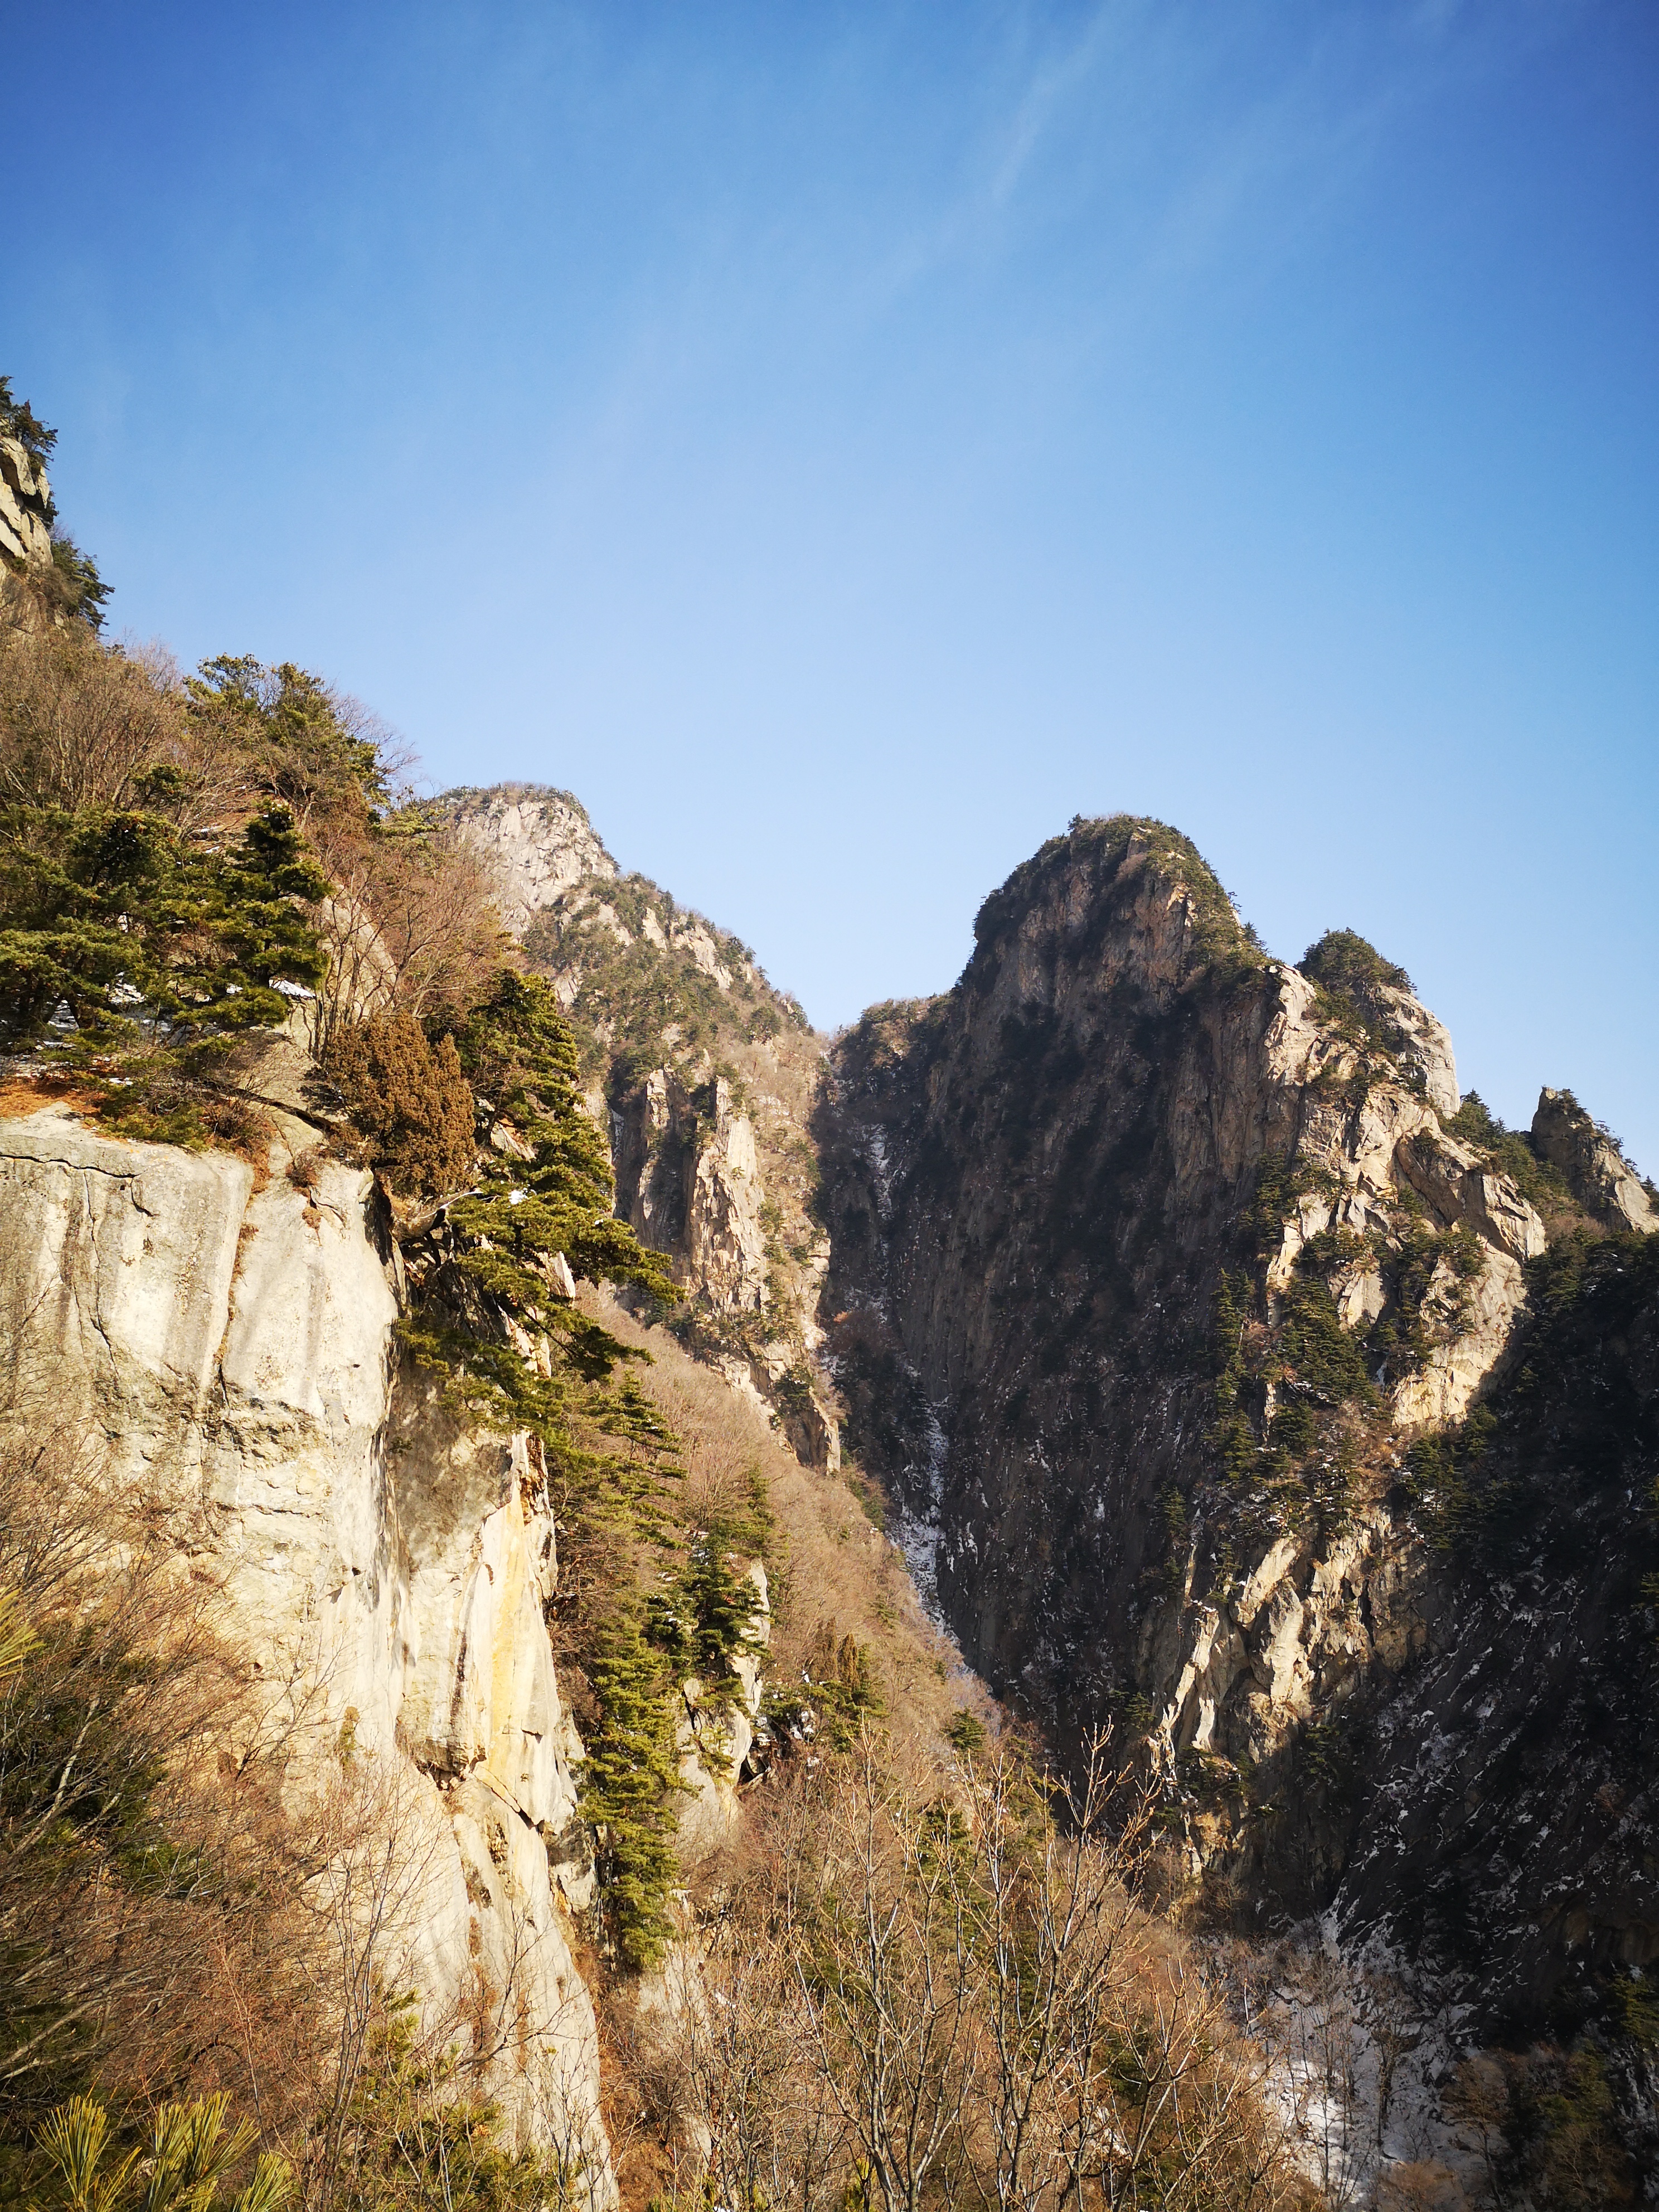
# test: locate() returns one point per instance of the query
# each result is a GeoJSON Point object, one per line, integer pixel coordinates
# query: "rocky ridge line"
{"type": "Point", "coordinates": [703, 1077]}
{"type": "Point", "coordinates": [1128, 1154]}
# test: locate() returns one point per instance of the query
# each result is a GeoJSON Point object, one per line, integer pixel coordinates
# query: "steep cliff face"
{"type": "Point", "coordinates": [25, 506]}
{"type": "Point", "coordinates": [1152, 1258]}
{"type": "Point", "coordinates": [704, 1076]}
{"type": "Point", "coordinates": [1505, 1793]}
{"type": "Point", "coordinates": [1038, 1184]}
{"type": "Point", "coordinates": [26, 510]}
{"type": "Point", "coordinates": [226, 1337]}
{"type": "Point", "coordinates": [1599, 1175]}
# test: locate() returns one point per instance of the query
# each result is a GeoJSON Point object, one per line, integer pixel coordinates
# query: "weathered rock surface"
{"type": "Point", "coordinates": [1419, 1688]}
{"type": "Point", "coordinates": [703, 1076]}
{"type": "Point", "coordinates": [1599, 1175]}
{"type": "Point", "coordinates": [1427, 1048]}
{"type": "Point", "coordinates": [1037, 1181]}
{"type": "Point", "coordinates": [542, 840]}
{"type": "Point", "coordinates": [1506, 1793]}
{"type": "Point", "coordinates": [720, 1731]}
{"type": "Point", "coordinates": [1037, 1186]}
{"type": "Point", "coordinates": [233, 1344]}
{"type": "Point", "coordinates": [25, 506]}
{"type": "Point", "coordinates": [688, 1178]}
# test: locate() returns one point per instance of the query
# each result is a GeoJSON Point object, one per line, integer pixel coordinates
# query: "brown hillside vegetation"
{"type": "Point", "coordinates": [833, 1575]}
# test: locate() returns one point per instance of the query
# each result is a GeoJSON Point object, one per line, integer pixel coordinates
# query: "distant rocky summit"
{"type": "Point", "coordinates": [1199, 1330]}
{"type": "Point", "coordinates": [1597, 1173]}
{"type": "Point", "coordinates": [703, 1076]}
{"type": "Point", "coordinates": [1215, 1342]}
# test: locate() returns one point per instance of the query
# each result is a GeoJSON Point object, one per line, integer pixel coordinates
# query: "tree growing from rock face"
{"type": "Point", "coordinates": [409, 1100]}
{"type": "Point", "coordinates": [18, 420]}
{"type": "Point", "coordinates": [1352, 969]}
{"type": "Point", "coordinates": [409, 922]}
{"type": "Point", "coordinates": [116, 916]}
{"type": "Point", "coordinates": [302, 743]}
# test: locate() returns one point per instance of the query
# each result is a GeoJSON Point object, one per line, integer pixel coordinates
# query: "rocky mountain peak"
{"type": "Point", "coordinates": [1127, 897]}
{"type": "Point", "coordinates": [1599, 1175]}
{"type": "Point", "coordinates": [703, 1077]}
{"type": "Point", "coordinates": [541, 839]}
{"type": "Point", "coordinates": [1158, 1266]}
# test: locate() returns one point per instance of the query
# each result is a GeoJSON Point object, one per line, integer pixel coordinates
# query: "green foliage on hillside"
{"type": "Point", "coordinates": [701, 1617]}
{"type": "Point", "coordinates": [293, 735]}
{"type": "Point", "coordinates": [137, 930]}
{"type": "Point", "coordinates": [628, 995]}
{"type": "Point", "coordinates": [1547, 2125]}
{"type": "Point", "coordinates": [1510, 1151]}
{"type": "Point", "coordinates": [416, 2135]}
{"type": "Point", "coordinates": [1293, 1351]}
{"type": "Point", "coordinates": [1322, 1358]}
{"type": "Point", "coordinates": [1570, 1416]}
{"type": "Point", "coordinates": [18, 420]}
{"type": "Point", "coordinates": [629, 1781]}
{"type": "Point", "coordinates": [71, 587]}
{"type": "Point", "coordinates": [519, 1054]}
{"type": "Point", "coordinates": [836, 1699]}
{"type": "Point", "coordinates": [607, 1454]}
{"type": "Point", "coordinates": [1349, 966]}
{"type": "Point", "coordinates": [549, 1197]}
{"type": "Point", "coordinates": [1352, 980]}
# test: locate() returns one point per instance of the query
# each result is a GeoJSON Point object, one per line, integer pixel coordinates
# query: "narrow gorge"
{"type": "Point", "coordinates": [557, 1429]}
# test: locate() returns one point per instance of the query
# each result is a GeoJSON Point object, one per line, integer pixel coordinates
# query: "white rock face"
{"type": "Point", "coordinates": [1242, 1673]}
{"type": "Point", "coordinates": [725, 1244]}
{"type": "Point", "coordinates": [690, 935]}
{"type": "Point", "coordinates": [693, 1188]}
{"type": "Point", "coordinates": [1244, 1670]}
{"type": "Point", "coordinates": [24, 495]}
{"type": "Point", "coordinates": [1600, 1176]}
{"type": "Point", "coordinates": [1428, 1048]}
{"type": "Point", "coordinates": [235, 1344]}
{"type": "Point", "coordinates": [542, 840]}
{"type": "Point", "coordinates": [1390, 1146]}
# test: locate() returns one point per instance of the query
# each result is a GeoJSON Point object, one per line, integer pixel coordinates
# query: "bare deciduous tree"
{"type": "Point", "coordinates": [937, 1987]}
{"type": "Point", "coordinates": [411, 922]}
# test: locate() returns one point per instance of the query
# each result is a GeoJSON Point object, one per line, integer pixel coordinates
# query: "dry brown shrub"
{"type": "Point", "coordinates": [83, 724]}
{"type": "Point", "coordinates": [933, 1983]}
{"type": "Point", "coordinates": [1419, 2186]}
{"type": "Point", "coordinates": [305, 1170]}
{"type": "Point", "coordinates": [409, 1098]}
{"type": "Point", "coordinates": [238, 1125]}
{"type": "Point", "coordinates": [151, 1926]}
{"type": "Point", "coordinates": [204, 1886]}
{"type": "Point", "coordinates": [411, 923]}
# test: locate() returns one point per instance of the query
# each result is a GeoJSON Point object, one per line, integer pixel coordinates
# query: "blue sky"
{"type": "Point", "coordinates": [842, 442]}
